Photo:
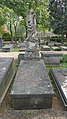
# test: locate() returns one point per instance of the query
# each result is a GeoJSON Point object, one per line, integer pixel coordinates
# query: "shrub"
{"type": "Point", "coordinates": [65, 43]}
{"type": "Point", "coordinates": [6, 36]}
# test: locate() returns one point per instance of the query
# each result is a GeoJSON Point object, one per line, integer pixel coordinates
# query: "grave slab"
{"type": "Point", "coordinates": [23, 49]}
{"type": "Point", "coordinates": [7, 48]}
{"type": "Point", "coordinates": [51, 58]}
{"type": "Point", "coordinates": [64, 48]}
{"type": "Point", "coordinates": [32, 88]}
{"type": "Point", "coordinates": [56, 48]}
{"type": "Point", "coordinates": [45, 48]}
{"type": "Point", "coordinates": [60, 78]}
{"type": "Point", "coordinates": [6, 76]}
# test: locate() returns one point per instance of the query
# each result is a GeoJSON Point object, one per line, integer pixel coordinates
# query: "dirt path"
{"type": "Point", "coordinates": [15, 54]}
{"type": "Point", "coordinates": [9, 54]}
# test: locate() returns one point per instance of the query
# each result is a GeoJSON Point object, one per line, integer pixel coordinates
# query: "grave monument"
{"type": "Point", "coordinates": [32, 88]}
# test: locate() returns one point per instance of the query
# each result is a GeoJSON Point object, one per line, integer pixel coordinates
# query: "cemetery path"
{"type": "Point", "coordinates": [15, 54]}
{"type": "Point", "coordinates": [7, 112]}
{"type": "Point", "coordinates": [9, 54]}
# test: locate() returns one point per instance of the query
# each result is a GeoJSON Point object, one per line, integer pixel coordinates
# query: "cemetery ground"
{"type": "Point", "coordinates": [7, 112]}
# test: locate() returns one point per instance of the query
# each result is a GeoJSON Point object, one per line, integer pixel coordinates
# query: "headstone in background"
{"type": "Point", "coordinates": [7, 48]}
{"type": "Point", "coordinates": [51, 58]}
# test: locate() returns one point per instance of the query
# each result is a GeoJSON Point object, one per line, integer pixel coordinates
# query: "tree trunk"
{"type": "Point", "coordinates": [11, 31]}
{"type": "Point", "coordinates": [66, 37]}
{"type": "Point", "coordinates": [15, 28]}
{"type": "Point", "coordinates": [62, 39]}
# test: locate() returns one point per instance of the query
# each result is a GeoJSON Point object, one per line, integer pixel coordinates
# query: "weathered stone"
{"type": "Point", "coordinates": [60, 78]}
{"type": "Point", "coordinates": [21, 45]}
{"type": "Point", "coordinates": [51, 58]}
{"type": "Point", "coordinates": [22, 49]}
{"type": "Point", "coordinates": [6, 76]}
{"type": "Point", "coordinates": [64, 48]}
{"type": "Point", "coordinates": [54, 44]}
{"type": "Point", "coordinates": [21, 56]}
{"type": "Point", "coordinates": [31, 44]}
{"type": "Point", "coordinates": [7, 48]}
{"type": "Point", "coordinates": [57, 44]}
{"type": "Point", "coordinates": [56, 48]}
{"type": "Point", "coordinates": [32, 88]}
{"type": "Point", "coordinates": [45, 48]}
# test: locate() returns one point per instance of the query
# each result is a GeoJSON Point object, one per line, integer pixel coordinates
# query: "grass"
{"type": "Point", "coordinates": [15, 50]}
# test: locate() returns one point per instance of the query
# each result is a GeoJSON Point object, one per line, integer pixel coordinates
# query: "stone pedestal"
{"type": "Point", "coordinates": [32, 88]}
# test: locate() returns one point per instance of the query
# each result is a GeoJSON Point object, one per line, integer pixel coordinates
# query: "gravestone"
{"type": "Point", "coordinates": [51, 58]}
{"type": "Point", "coordinates": [22, 47]}
{"type": "Point", "coordinates": [7, 48]}
{"type": "Point", "coordinates": [45, 48]}
{"type": "Point", "coordinates": [51, 44]}
{"type": "Point", "coordinates": [60, 78]}
{"type": "Point", "coordinates": [32, 88]}
{"type": "Point", "coordinates": [6, 76]}
{"type": "Point", "coordinates": [56, 48]}
{"type": "Point", "coordinates": [64, 48]}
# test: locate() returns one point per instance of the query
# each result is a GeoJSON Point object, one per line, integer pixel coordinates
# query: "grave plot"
{"type": "Point", "coordinates": [7, 48]}
{"type": "Point", "coordinates": [32, 88]}
{"type": "Point", "coordinates": [51, 58]}
{"type": "Point", "coordinates": [6, 76]}
{"type": "Point", "coordinates": [60, 79]}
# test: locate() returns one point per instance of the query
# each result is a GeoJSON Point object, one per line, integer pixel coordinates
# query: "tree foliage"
{"type": "Point", "coordinates": [58, 12]}
{"type": "Point", "coordinates": [17, 8]}
{"type": "Point", "coordinates": [43, 15]}
{"type": "Point", "coordinates": [2, 15]}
